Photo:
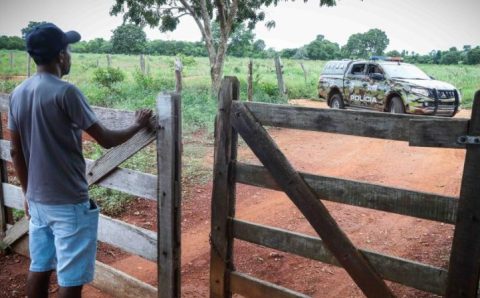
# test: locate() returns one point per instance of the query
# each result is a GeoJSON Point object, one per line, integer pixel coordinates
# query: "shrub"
{"type": "Point", "coordinates": [106, 77]}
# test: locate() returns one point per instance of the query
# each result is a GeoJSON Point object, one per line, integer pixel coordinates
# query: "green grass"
{"type": "Point", "coordinates": [198, 106]}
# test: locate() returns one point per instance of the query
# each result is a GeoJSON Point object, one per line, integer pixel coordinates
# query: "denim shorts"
{"type": "Point", "coordinates": [64, 238]}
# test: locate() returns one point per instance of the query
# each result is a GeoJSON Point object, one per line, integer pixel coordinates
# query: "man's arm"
{"type": "Point", "coordinates": [19, 164]}
{"type": "Point", "coordinates": [110, 138]}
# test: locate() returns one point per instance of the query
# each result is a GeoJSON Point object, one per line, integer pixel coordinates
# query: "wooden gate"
{"type": "Point", "coordinates": [162, 247]}
{"type": "Point", "coordinates": [367, 268]}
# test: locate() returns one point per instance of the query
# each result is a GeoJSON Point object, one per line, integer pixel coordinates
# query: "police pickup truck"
{"type": "Point", "coordinates": [386, 84]}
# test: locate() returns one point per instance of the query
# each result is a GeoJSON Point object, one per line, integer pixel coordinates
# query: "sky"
{"type": "Point", "coordinates": [413, 25]}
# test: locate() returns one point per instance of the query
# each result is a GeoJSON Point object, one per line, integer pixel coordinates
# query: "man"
{"type": "Point", "coordinates": [47, 116]}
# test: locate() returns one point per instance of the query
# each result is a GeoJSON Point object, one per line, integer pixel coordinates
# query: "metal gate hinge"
{"type": "Point", "coordinates": [468, 140]}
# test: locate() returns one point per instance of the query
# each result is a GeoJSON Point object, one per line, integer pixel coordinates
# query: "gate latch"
{"type": "Point", "coordinates": [468, 140]}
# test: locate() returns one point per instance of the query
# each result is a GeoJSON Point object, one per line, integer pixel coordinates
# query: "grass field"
{"type": "Point", "coordinates": [198, 107]}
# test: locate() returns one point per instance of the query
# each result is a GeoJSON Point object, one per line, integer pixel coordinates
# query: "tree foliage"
{"type": "Point", "coordinates": [30, 26]}
{"type": "Point", "coordinates": [363, 45]}
{"type": "Point", "coordinates": [322, 49]}
{"type": "Point", "coordinates": [228, 14]}
{"type": "Point", "coordinates": [129, 39]}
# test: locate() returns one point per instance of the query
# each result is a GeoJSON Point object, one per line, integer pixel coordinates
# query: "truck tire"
{"type": "Point", "coordinates": [336, 102]}
{"type": "Point", "coordinates": [396, 106]}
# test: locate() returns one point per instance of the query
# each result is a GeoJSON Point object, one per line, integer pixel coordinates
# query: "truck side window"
{"type": "Point", "coordinates": [358, 69]}
{"type": "Point", "coordinates": [372, 68]}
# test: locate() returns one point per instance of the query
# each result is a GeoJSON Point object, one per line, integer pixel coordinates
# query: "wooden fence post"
{"type": "Point", "coordinates": [29, 65]}
{"type": "Point", "coordinates": [304, 72]}
{"type": "Point", "coordinates": [109, 60]}
{"type": "Point", "coordinates": [11, 59]}
{"type": "Point", "coordinates": [250, 81]}
{"type": "Point", "coordinates": [223, 192]}
{"type": "Point", "coordinates": [142, 63]}
{"type": "Point", "coordinates": [281, 83]}
{"type": "Point", "coordinates": [169, 195]}
{"type": "Point", "coordinates": [178, 75]}
{"type": "Point", "coordinates": [464, 267]}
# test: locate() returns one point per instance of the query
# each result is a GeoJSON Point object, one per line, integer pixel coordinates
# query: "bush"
{"type": "Point", "coordinates": [108, 76]}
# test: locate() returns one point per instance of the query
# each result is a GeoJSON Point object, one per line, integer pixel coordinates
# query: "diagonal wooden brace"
{"type": "Point", "coordinates": [305, 199]}
{"type": "Point", "coordinates": [116, 156]}
{"type": "Point", "coordinates": [13, 234]}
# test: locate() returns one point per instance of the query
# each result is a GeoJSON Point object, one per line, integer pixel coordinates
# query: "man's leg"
{"type": "Point", "coordinates": [70, 292]}
{"type": "Point", "coordinates": [42, 254]}
{"type": "Point", "coordinates": [37, 284]}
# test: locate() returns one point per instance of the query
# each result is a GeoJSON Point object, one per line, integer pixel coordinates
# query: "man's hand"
{"type": "Point", "coordinates": [27, 211]}
{"type": "Point", "coordinates": [142, 117]}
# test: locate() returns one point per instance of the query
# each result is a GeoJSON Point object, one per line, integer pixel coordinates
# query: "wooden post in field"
{"type": "Point", "coordinates": [29, 65]}
{"type": "Point", "coordinates": [109, 60]}
{"type": "Point", "coordinates": [304, 72]}
{"type": "Point", "coordinates": [281, 83]}
{"type": "Point", "coordinates": [142, 64]}
{"type": "Point", "coordinates": [178, 75]}
{"type": "Point", "coordinates": [250, 81]}
{"type": "Point", "coordinates": [464, 266]}
{"type": "Point", "coordinates": [169, 195]}
{"type": "Point", "coordinates": [223, 192]}
{"type": "Point", "coordinates": [97, 62]}
{"type": "Point", "coordinates": [11, 60]}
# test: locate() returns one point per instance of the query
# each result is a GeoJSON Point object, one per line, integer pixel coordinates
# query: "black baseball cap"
{"type": "Point", "coordinates": [45, 41]}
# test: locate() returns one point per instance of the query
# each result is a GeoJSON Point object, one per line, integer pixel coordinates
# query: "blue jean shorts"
{"type": "Point", "coordinates": [64, 238]}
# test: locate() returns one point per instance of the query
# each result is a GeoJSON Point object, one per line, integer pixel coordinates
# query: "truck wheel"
{"type": "Point", "coordinates": [336, 102]}
{"type": "Point", "coordinates": [396, 106]}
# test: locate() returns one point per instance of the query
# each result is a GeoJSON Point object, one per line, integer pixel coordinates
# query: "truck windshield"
{"type": "Point", "coordinates": [404, 71]}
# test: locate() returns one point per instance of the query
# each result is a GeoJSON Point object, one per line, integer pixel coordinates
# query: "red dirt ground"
{"type": "Point", "coordinates": [381, 161]}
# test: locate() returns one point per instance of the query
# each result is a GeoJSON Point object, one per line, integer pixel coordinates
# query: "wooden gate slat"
{"type": "Point", "coordinates": [464, 267]}
{"type": "Point", "coordinates": [305, 199]}
{"type": "Point", "coordinates": [168, 205]}
{"type": "Point", "coordinates": [223, 192]}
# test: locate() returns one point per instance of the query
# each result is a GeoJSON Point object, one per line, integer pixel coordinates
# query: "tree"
{"type": "Point", "coordinates": [452, 56]}
{"type": "Point", "coordinates": [473, 56]}
{"type": "Point", "coordinates": [322, 49]}
{"type": "Point", "coordinates": [228, 14]}
{"type": "Point", "coordinates": [362, 45]}
{"type": "Point", "coordinates": [30, 26]}
{"type": "Point", "coordinates": [129, 39]}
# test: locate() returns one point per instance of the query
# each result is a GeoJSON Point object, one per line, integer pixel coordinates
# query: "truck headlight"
{"type": "Point", "coordinates": [420, 91]}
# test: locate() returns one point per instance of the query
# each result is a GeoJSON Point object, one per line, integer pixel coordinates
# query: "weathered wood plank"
{"type": "Point", "coordinates": [306, 201]}
{"type": "Point", "coordinates": [128, 237]}
{"type": "Point", "coordinates": [437, 132]}
{"type": "Point", "coordinates": [3, 178]}
{"type": "Point", "coordinates": [129, 181]}
{"type": "Point", "coordinates": [119, 284]}
{"type": "Point", "coordinates": [115, 156]}
{"type": "Point", "coordinates": [357, 123]}
{"type": "Point", "coordinates": [223, 192]}
{"type": "Point", "coordinates": [252, 287]}
{"type": "Point", "coordinates": [111, 118]}
{"type": "Point", "coordinates": [413, 274]}
{"type": "Point", "coordinates": [169, 192]}
{"type": "Point", "coordinates": [417, 204]}
{"type": "Point", "coordinates": [464, 266]}
{"type": "Point", "coordinates": [19, 229]}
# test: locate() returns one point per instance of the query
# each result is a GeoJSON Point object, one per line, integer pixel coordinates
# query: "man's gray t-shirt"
{"type": "Point", "coordinates": [49, 115]}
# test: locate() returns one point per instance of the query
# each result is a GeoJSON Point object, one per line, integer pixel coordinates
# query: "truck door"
{"type": "Point", "coordinates": [376, 87]}
{"type": "Point", "coordinates": [355, 83]}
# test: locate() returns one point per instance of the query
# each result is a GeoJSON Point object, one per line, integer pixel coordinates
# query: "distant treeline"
{"type": "Point", "coordinates": [244, 44]}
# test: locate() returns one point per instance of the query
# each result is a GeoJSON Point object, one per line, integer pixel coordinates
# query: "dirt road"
{"type": "Point", "coordinates": [372, 160]}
